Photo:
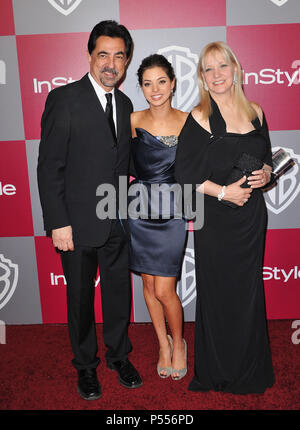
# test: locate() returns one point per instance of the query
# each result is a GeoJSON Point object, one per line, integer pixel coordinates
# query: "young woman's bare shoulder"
{"type": "Point", "coordinates": [133, 122]}
{"type": "Point", "coordinates": [137, 115]}
{"type": "Point", "coordinates": [136, 118]}
{"type": "Point", "coordinates": [181, 116]}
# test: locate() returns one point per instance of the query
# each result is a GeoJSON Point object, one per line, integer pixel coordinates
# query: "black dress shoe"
{"type": "Point", "coordinates": [128, 375]}
{"type": "Point", "coordinates": [88, 386]}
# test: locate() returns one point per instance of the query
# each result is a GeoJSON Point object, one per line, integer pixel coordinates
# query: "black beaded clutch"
{"type": "Point", "coordinates": [244, 166]}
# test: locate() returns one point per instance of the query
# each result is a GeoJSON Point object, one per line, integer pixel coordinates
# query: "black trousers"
{"type": "Point", "coordinates": [80, 270]}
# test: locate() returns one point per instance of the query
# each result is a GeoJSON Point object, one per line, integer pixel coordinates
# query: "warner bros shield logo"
{"type": "Point", "coordinates": [279, 2]}
{"type": "Point", "coordinates": [185, 64]}
{"type": "Point", "coordinates": [186, 288]}
{"type": "Point", "coordinates": [287, 188]}
{"type": "Point", "coordinates": [9, 274]}
{"type": "Point", "coordinates": [65, 6]}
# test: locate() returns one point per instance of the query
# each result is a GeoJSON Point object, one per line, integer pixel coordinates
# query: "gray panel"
{"type": "Point", "coordinates": [11, 118]}
{"type": "Point", "coordinates": [45, 16]}
{"type": "Point", "coordinates": [18, 275]}
{"type": "Point", "coordinates": [283, 200]}
{"type": "Point", "coordinates": [249, 12]}
{"type": "Point", "coordinates": [32, 149]}
{"type": "Point", "coordinates": [182, 47]}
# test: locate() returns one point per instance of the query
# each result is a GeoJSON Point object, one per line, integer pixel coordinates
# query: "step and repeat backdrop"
{"type": "Point", "coordinates": [43, 44]}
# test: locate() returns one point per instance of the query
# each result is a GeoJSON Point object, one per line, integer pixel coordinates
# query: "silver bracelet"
{"type": "Point", "coordinates": [221, 193]}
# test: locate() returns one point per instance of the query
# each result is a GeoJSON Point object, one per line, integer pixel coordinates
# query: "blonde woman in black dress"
{"type": "Point", "coordinates": [232, 351]}
{"type": "Point", "coordinates": [157, 245]}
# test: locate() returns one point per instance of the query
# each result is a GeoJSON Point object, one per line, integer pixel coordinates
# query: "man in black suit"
{"type": "Point", "coordinates": [85, 142]}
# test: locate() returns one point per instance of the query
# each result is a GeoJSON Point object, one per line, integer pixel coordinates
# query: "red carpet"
{"type": "Point", "coordinates": [36, 374]}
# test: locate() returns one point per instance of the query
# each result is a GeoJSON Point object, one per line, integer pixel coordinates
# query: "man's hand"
{"type": "Point", "coordinates": [62, 238]}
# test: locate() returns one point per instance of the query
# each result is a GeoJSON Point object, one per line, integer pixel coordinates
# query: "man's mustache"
{"type": "Point", "coordinates": [109, 70]}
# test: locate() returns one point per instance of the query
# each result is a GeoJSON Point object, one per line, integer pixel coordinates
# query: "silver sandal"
{"type": "Point", "coordinates": [168, 370]}
{"type": "Point", "coordinates": [181, 372]}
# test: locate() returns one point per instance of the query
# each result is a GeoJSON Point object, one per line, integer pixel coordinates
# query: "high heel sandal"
{"type": "Point", "coordinates": [181, 372]}
{"type": "Point", "coordinates": [168, 370]}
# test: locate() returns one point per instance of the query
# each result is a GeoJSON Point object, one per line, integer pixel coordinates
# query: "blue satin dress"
{"type": "Point", "coordinates": [157, 228]}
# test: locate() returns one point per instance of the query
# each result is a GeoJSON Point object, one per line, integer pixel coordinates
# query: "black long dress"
{"type": "Point", "coordinates": [158, 235]}
{"type": "Point", "coordinates": [232, 351]}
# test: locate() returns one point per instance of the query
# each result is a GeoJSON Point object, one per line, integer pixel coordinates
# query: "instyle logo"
{"type": "Point", "coordinates": [57, 279]}
{"type": "Point", "coordinates": [40, 87]}
{"type": "Point", "coordinates": [7, 189]}
{"type": "Point", "coordinates": [272, 72]}
{"type": "Point", "coordinates": [65, 6]}
{"type": "Point", "coordinates": [279, 2]}
{"type": "Point", "coordinates": [2, 72]}
{"type": "Point", "coordinates": [280, 274]}
{"type": "Point", "coordinates": [187, 290]}
{"type": "Point", "coordinates": [60, 280]}
{"type": "Point", "coordinates": [53, 286]}
{"type": "Point", "coordinates": [54, 69]}
{"type": "Point", "coordinates": [274, 76]}
{"type": "Point", "coordinates": [9, 273]}
{"type": "Point", "coordinates": [184, 63]}
{"type": "Point", "coordinates": [288, 186]}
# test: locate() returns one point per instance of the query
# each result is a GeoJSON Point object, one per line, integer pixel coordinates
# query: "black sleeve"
{"type": "Point", "coordinates": [192, 162]}
{"type": "Point", "coordinates": [192, 166]}
{"type": "Point", "coordinates": [53, 152]}
{"type": "Point", "coordinates": [265, 133]}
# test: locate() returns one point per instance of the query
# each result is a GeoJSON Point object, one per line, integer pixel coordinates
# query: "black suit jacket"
{"type": "Point", "coordinates": [77, 154]}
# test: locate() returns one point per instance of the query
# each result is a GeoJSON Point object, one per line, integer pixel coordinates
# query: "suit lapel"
{"type": "Point", "coordinates": [95, 106]}
{"type": "Point", "coordinates": [91, 97]}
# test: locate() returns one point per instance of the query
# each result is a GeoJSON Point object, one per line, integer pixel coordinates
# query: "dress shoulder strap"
{"type": "Point", "coordinates": [256, 123]}
{"type": "Point", "coordinates": [216, 121]}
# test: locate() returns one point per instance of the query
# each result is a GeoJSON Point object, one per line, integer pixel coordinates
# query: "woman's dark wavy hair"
{"type": "Point", "coordinates": [111, 29]}
{"type": "Point", "coordinates": [155, 60]}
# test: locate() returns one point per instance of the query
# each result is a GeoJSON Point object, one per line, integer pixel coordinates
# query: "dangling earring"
{"type": "Point", "coordinates": [235, 79]}
{"type": "Point", "coordinates": [205, 86]}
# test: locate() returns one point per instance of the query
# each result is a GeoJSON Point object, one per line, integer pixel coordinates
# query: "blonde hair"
{"type": "Point", "coordinates": [239, 96]}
